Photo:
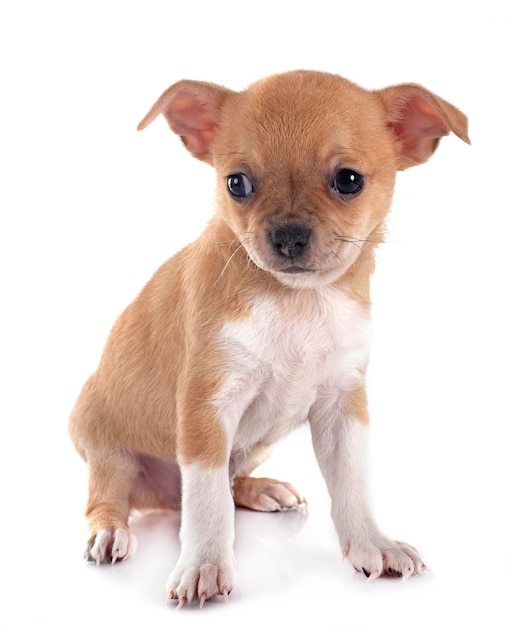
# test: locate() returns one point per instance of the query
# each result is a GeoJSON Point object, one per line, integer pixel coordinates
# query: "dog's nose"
{"type": "Point", "coordinates": [290, 240]}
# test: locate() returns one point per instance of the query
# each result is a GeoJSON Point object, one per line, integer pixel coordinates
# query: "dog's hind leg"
{"type": "Point", "coordinates": [112, 475]}
{"type": "Point", "coordinates": [263, 494]}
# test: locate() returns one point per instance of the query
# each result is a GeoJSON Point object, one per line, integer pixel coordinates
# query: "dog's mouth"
{"type": "Point", "coordinates": [298, 270]}
{"type": "Point", "coordinates": [298, 276]}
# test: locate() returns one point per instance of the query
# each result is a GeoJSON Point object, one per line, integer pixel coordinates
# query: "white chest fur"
{"type": "Point", "coordinates": [283, 355]}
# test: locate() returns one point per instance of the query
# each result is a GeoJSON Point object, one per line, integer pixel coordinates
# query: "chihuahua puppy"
{"type": "Point", "coordinates": [260, 325]}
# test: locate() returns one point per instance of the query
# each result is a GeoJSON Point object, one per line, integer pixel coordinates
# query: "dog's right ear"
{"type": "Point", "coordinates": [192, 110]}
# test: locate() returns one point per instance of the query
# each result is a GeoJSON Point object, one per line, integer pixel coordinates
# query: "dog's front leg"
{"type": "Point", "coordinates": [206, 564]}
{"type": "Point", "coordinates": [339, 424]}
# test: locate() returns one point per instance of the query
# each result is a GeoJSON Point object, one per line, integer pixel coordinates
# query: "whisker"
{"type": "Point", "coordinates": [355, 242]}
{"type": "Point", "coordinates": [231, 256]}
{"type": "Point", "coordinates": [336, 256]}
{"type": "Point", "coordinates": [354, 239]}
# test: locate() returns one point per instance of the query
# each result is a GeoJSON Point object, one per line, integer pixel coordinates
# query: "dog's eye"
{"type": "Point", "coordinates": [348, 182]}
{"type": "Point", "coordinates": [239, 186]}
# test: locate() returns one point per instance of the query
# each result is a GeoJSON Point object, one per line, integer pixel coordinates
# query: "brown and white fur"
{"type": "Point", "coordinates": [260, 325]}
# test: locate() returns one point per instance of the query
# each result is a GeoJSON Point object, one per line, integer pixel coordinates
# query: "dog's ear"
{"type": "Point", "coordinates": [418, 119]}
{"type": "Point", "coordinates": [192, 110]}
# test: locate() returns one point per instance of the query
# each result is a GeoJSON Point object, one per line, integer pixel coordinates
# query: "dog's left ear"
{"type": "Point", "coordinates": [192, 110]}
{"type": "Point", "coordinates": [418, 119]}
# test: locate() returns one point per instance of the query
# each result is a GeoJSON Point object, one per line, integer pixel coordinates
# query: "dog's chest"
{"type": "Point", "coordinates": [286, 353]}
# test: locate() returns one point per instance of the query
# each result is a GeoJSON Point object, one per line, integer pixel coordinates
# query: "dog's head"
{"type": "Point", "coordinates": [306, 162]}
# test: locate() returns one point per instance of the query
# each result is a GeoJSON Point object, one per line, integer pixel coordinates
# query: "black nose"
{"type": "Point", "coordinates": [290, 240]}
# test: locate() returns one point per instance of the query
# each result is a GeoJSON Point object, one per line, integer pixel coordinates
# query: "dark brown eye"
{"type": "Point", "coordinates": [239, 186]}
{"type": "Point", "coordinates": [348, 182]}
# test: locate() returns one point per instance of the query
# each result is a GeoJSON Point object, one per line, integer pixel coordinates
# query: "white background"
{"type": "Point", "coordinates": [90, 208]}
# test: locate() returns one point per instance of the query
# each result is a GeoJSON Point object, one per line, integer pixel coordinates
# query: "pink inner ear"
{"type": "Point", "coordinates": [187, 111]}
{"type": "Point", "coordinates": [191, 118]}
{"type": "Point", "coordinates": [419, 128]}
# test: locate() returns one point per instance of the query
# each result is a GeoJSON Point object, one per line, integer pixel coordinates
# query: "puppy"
{"type": "Point", "coordinates": [260, 325]}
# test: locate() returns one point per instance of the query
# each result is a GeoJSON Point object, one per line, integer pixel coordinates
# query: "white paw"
{"type": "Point", "coordinates": [201, 582]}
{"type": "Point", "coordinates": [384, 557]}
{"type": "Point", "coordinates": [109, 546]}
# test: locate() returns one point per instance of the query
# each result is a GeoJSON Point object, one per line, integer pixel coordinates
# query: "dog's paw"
{"type": "Point", "coordinates": [201, 582]}
{"type": "Point", "coordinates": [266, 494]}
{"type": "Point", "coordinates": [385, 558]}
{"type": "Point", "coordinates": [109, 546]}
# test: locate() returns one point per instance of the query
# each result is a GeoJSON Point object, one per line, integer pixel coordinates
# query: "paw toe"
{"type": "Point", "coordinates": [109, 546]}
{"type": "Point", "coordinates": [201, 583]}
{"type": "Point", "coordinates": [397, 560]}
{"type": "Point", "coordinates": [397, 563]}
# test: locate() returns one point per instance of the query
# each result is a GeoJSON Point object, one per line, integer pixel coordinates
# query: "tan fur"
{"type": "Point", "coordinates": [151, 403]}
{"type": "Point", "coordinates": [355, 405]}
